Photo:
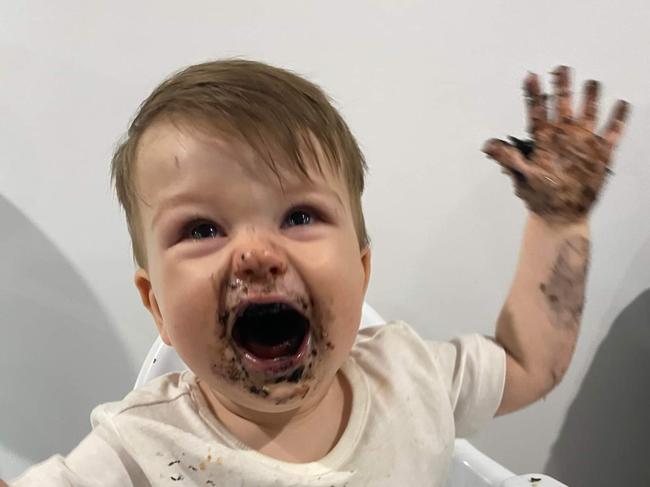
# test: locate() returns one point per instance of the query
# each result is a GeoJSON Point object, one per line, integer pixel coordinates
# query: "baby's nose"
{"type": "Point", "coordinates": [258, 263]}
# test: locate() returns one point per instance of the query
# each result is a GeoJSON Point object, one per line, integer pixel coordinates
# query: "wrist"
{"type": "Point", "coordinates": [558, 227]}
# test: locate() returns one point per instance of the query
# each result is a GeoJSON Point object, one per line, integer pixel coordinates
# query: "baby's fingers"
{"type": "Point", "coordinates": [590, 105]}
{"type": "Point", "coordinates": [614, 127]}
{"type": "Point", "coordinates": [536, 103]}
{"type": "Point", "coordinates": [562, 83]}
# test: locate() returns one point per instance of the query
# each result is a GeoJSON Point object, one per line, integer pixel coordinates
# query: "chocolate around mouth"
{"type": "Point", "coordinates": [270, 331]}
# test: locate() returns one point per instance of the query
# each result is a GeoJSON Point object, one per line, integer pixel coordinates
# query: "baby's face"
{"type": "Point", "coordinates": [257, 285]}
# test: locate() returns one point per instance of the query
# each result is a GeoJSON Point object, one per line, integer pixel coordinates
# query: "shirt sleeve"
{"type": "Point", "coordinates": [93, 463]}
{"type": "Point", "coordinates": [474, 369]}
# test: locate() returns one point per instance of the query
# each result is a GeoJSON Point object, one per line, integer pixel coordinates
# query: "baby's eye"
{"type": "Point", "coordinates": [299, 217]}
{"type": "Point", "coordinates": [199, 230]}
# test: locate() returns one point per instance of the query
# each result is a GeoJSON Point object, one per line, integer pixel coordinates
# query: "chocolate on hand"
{"type": "Point", "coordinates": [560, 171]}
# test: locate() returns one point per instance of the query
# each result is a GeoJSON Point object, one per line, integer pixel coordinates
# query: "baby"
{"type": "Point", "coordinates": [242, 191]}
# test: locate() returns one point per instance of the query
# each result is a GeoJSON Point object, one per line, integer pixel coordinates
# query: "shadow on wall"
{"type": "Point", "coordinates": [604, 438]}
{"type": "Point", "coordinates": [59, 355]}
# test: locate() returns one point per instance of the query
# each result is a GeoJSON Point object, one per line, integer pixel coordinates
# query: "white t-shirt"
{"type": "Point", "coordinates": [410, 399]}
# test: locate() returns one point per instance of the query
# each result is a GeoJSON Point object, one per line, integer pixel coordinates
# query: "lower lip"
{"type": "Point", "coordinates": [277, 365]}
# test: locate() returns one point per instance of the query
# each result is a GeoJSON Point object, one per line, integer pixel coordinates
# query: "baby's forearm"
{"type": "Point", "coordinates": [540, 319]}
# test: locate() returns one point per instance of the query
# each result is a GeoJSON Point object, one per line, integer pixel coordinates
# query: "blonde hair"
{"type": "Point", "coordinates": [271, 109]}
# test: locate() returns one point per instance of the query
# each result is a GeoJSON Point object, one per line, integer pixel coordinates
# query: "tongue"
{"type": "Point", "coordinates": [266, 351]}
{"type": "Point", "coordinates": [269, 351]}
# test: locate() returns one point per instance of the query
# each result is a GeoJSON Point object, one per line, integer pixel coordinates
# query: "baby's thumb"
{"type": "Point", "coordinates": [507, 156]}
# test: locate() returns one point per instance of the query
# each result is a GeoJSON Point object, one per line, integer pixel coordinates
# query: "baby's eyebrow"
{"type": "Point", "coordinates": [172, 201]}
{"type": "Point", "coordinates": [310, 189]}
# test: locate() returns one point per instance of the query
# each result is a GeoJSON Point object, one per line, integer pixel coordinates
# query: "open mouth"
{"type": "Point", "coordinates": [271, 331]}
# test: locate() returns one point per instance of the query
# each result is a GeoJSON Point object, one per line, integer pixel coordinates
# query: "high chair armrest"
{"type": "Point", "coordinates": [532, 480]}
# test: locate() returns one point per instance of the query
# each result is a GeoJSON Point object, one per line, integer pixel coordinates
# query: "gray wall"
{"type": "Point", "coordinates": [422, 84]}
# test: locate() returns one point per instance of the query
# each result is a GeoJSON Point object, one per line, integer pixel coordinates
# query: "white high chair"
{"type": "Point", "coordinates": [470, 467]}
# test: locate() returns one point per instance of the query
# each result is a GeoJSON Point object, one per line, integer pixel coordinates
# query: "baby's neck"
{"type": "Point", "coordinates": [299, 437]}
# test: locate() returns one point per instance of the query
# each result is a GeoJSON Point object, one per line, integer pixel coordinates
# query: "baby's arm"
{"type": "Point", "coordinates": [539, 322]}
{"type": "Point", "coordinates": [559, 174]}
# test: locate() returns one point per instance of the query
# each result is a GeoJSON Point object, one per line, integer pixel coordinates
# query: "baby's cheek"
{"type": "Point", "coordinates": [224, 365]}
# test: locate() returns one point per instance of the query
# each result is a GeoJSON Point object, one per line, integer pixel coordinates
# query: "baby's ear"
{"type": "Point", "coordinates": [365, 263]}
{"type": "Point", "coordinates": [143, 283]}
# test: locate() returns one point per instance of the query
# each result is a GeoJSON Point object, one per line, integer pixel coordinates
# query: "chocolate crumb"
{"type": "Point", "coordinates": [223, 317]}
{"type": "Point", "coordinates": [526, 147]}
{"type": "Point", "coordinates": [173, 463]}
{"type": "Point", "coordinates": [260, 392]}
{"type": "Point", "coordinates": [297, 374]}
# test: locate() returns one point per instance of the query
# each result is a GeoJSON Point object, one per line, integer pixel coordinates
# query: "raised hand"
{"type": "Point", "coordinates": [560, 172]}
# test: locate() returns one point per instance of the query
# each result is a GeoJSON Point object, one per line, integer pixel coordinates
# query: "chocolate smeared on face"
{"type": "Point", "coordinates": [271, 338]}
{"type": "Point", "coordinates": [223, 320]}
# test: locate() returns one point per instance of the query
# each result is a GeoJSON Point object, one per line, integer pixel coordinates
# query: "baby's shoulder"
{"type": "Point", "coordinates": [159, 391]}
{"type": "Point", "coordinates": [392, 333]}
{"type": "Point", "coordinates": [390, 342]}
